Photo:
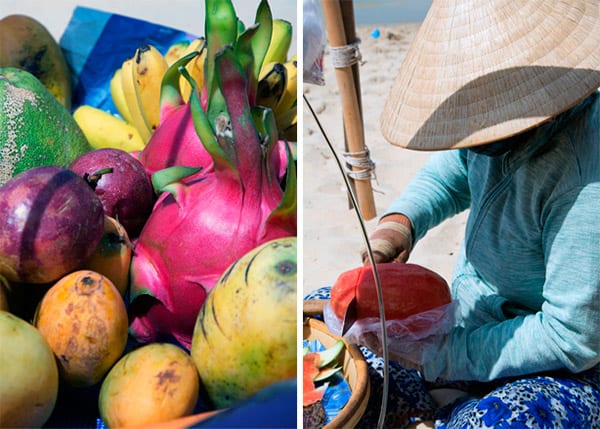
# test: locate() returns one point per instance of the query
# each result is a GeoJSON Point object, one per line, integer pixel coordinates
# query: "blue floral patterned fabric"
{"type": "Point", "coordinates": [546, 402]}
{"type": "Point", "coordinates": [557, 400]}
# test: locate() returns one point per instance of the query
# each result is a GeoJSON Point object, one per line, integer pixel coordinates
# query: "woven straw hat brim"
{"type": "Point", "coordinates": [479, 71]}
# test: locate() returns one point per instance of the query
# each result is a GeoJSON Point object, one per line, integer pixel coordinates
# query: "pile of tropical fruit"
{"type": "Point", "coordinates": [151, 254]}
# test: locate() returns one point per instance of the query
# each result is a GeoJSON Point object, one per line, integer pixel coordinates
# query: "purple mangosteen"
{"type": "Point", "coordinates": [121, 183]}
{"type": "Point", "coordinates": [50, 223]}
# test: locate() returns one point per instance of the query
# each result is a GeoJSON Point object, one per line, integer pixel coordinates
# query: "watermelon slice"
{"type": "Point", "coordinates": [310, 366]}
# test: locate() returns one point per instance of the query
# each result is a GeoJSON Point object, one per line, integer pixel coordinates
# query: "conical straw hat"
{"type": "Point", "coordinates": [483, 70]}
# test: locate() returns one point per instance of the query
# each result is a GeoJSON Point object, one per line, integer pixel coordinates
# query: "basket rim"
{"type": "Point", "coordinates": [359, 398]}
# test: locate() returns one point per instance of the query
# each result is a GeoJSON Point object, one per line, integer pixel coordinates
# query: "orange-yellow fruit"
{"type": "Point", "coordinates": [83, 318]}
{"type": "Point", "coordinates": [113, 255]}
{"type": "Point", "coordinates": [28, 374]}
{"type": "Point", "coordinates": [155, 383]}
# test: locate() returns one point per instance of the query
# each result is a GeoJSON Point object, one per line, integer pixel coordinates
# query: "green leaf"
{"type": "Point", "coordinates": [221, 29]}
{"type": "Point", "coordinates": [240, 27]}
{"type": "Point", "coordinates": [170, 95]}
{"type": "Point", "coordinates": [245, 55]}
{"type": "Point", "coordinates": [262, 38]}
{"type": "Point", "coordinates": [205, 131]}
{"type": "Point", "coordinates": [163, 180]}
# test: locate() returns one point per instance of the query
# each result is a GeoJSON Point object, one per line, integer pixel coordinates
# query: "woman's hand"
{"type": "Point", "coordinates": [391, 241]}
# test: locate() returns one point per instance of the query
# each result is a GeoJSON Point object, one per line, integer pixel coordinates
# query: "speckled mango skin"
{"type": "Point", "coordinates": [35, 129]}
{"type": "Point", "coordinates": [29, 375]}
{"type": "Point", "coordinates": [50, 222]}
{"type": "Point", "coordinates": [155, 383]}
{"type": "Point", "coordinates": [84, 319]}
{"type": "Point", "coordinates": [245, 335]}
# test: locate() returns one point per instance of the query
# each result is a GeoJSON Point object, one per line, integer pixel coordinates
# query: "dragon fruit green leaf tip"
{"type": "Point", "coordinates": [175, 141]}
{"type": "Point", "coordinates": [204, 222]}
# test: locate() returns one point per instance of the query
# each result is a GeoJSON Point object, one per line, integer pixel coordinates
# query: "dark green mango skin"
{"type": "Point", "coordinates": [35, 129]}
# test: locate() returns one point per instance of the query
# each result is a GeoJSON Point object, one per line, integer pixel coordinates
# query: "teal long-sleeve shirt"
{"type": "Point", "coordinates": [527, 277]}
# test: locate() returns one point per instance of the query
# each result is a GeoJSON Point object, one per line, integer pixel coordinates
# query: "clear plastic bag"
{"type": "Point", "coordinates": [412, 339]}
{"type": "Point", "coordinates": [314, 40]}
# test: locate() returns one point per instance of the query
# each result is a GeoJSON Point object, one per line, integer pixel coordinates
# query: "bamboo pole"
{"type": "Point", "coordinates": [347, 81]}
{"type": "Point", "coordinates": [350, 32]}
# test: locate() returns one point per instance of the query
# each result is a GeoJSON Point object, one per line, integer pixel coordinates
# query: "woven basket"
{"type": "Point", "coordinates": [354, 369]}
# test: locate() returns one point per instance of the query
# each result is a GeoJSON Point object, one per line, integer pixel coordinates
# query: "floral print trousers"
{"type": "Point", "coordinates": [557, 400]}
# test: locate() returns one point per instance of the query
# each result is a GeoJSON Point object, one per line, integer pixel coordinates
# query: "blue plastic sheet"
{"type": "Point", "coordinates": [272, 407]}
{"type": "Point", "coordinates": [96, 43]}
{"type": "Point", "coordinates": [337, 394]}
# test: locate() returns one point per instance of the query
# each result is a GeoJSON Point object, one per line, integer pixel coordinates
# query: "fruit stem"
{"type": "Point", "coordinates": [94, 178]}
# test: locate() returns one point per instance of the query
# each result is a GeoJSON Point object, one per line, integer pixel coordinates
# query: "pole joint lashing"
{"type": "Point", "coordinates": [346, 56]}
{"type": "Point", "coordinates": [359, 165]}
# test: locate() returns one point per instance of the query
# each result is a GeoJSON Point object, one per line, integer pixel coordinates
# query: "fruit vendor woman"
{"type": "Point", "coordinates": [506, 94]}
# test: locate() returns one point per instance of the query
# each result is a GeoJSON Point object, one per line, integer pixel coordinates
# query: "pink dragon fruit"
{"type": "Point", "coordinates": [176, 142]}
{"type": "Point", "coordinates": [205, 221]}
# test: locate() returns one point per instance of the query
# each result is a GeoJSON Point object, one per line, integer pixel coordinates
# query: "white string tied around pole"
{"type": "Point", "coordinates": [361, 165]}
{"type": "Point", "coordinates": [345, 56]}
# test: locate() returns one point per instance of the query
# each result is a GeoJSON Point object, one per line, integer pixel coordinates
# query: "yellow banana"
{"type": "Point", "coordinates": [175, 51]}
{"type": "Point", "coordinates": [290, 93]}
{"type": "Point", "coordinates": [287, 123]}
{"type": "Point", "coordinates": [118, 97]}
{"type": "Point", "coordinates": [131, 97]}
{"type": "Point", "coordinates": [271, 85]}
{"type": "Point", "coordinates": [149, 67]}
{"type": "Point", "coordinates": [104, 130]}
{"type": "Point", "coordinates": [288, 118]}
{"type": "Point", "coordinates": [281, 39]}
{"type": "Point", "coordinates": [195, 67]}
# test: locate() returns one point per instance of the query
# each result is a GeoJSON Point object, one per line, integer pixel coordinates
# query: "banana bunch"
{"type": "Point", "coordinates": [277, 89]}
{"type": "Point", "coordinates": [135, 87]}
{"type": "Point", "coordinates": [278, 81]}
{"type": "Point", "coordinates": [135, 90]}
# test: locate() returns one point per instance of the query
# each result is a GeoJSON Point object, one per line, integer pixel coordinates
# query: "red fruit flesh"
{"type": "Point", "coordinates": [310, 394]}
{"type": "Point", "coordinates": [408, 289]}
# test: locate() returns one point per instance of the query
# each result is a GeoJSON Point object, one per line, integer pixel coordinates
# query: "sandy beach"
{"type": "Point", "coordinates": [331, 231]}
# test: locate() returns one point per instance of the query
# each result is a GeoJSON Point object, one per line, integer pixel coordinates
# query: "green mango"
{"type": "Point", "coordinates": [35, 128]}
